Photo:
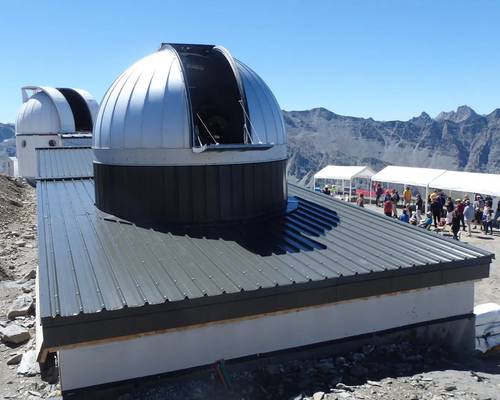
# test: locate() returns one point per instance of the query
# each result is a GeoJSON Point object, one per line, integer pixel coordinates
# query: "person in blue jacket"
{"type": "Point", "coordinates": [404, 217]}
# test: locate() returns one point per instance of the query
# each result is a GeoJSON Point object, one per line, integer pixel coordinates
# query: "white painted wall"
{"type": "Point", "coordinates": [26, 155]}
{"type": "Point", "coordinates": [6, 166]}
{"type": "Point", "coordinates": [190, 347]}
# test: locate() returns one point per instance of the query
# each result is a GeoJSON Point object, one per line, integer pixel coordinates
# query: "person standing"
{"type": "Point", "coordinates": [449, 210]}
{"type": "Point", "coordinates": [395, 199]}
{"type": "Point", "coordinates": [436, 210]}
{"type": "Point", "coordinates": [407, 196]}
{"type": "Point", "coordinates": [478, 210]}
{"type": "Point", "coordinates": [455, 224]}
{"type": "Point", "coordinates": [378, 193]}
{"type": "Point", "coordinates": [468, 216]}
{"type": "Point", "coordinates": [326, 190]}
{"type": "Point", "coordinates": [419, 205]}
{"type": "Point", "coordinates": [496, 218]}
{"type": "Point", "coordinates": [361, 200]}
{"type": "Point", "coordinates": [460, 207]}
{"type": "Point", "coordinates": [442, 199]}
{"type": "Point", "coordinates": [487, 219]}
{"type": "Point", "coordinates": [388, 207]}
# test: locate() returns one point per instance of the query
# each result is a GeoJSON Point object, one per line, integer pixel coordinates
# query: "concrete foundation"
{"type": "Point", "coordinates": [438, 313]}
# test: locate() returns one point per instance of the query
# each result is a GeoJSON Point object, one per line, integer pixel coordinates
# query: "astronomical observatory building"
{"type": "Point", "coordinates": [176, 241]}
{"type": "Point", "coordinates": [52, 117]}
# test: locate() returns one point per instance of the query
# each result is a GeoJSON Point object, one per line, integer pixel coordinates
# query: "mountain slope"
{"type": "Point", "coordinates": [6, 131]}
{"type": "Point", "coordinates": [460, 140]}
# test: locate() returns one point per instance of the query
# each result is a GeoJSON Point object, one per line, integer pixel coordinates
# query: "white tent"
{"type": "Point", "coordinates": [408, 175]}
{"type": "Point", "coordinates": [468, 182]}
{"type": "Point", "coordinates": [343, 173]}
{"type": "Point", "coordinates": [422, 177]}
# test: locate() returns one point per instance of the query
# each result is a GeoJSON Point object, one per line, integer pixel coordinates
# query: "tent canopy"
{"type": "Point", "coordinates": [468, 182]}
{"type": "Point", "coordinates": [344, 172]}
{"type": "Point", "coordinates": [408, 175]}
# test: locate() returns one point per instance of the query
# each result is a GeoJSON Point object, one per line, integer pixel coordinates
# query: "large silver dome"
{"type": "Point", "coordinates": [153, 114]}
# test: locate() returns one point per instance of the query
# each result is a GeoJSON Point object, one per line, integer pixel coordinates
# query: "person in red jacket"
{"type": "Point", "coordinates": [459, 209]}
{"type": "Point", "coordinates": [388, 207]}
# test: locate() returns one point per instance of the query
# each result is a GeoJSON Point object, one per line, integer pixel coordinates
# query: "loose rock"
{"type": "Point", "coordinates": [30, 275]}
{"type": "Point", "coordinates": [14, 360]}
{"type": "Point", "coordinates": [318, 395]}
{"type": "Point", "coordinates": [21, 306]}
{"type": "Point", "coordinates": [20, 243]}
{"type": "Point", "coordinates": [28, 365]}
{"type": "Point", "coordinates": [14, 334]}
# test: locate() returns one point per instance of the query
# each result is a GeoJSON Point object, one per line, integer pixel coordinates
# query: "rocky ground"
{"type": "Point", "coordinates": [19, 373]}
{"type": "Point", "coordinates": [394, 371]}
{"type": "Point", "coordinates": [390, 371]}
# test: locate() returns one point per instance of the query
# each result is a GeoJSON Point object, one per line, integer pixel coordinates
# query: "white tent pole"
{"type": "Point", "coordinates": [426, 198]}
{"type": "Point", "coordinates": [343, 189]}
{"type": "Point", "coordinates": [370, 190]}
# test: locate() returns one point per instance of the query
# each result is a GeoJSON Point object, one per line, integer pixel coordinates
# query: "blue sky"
{"type": "Point", "coordinates": [381, 59]}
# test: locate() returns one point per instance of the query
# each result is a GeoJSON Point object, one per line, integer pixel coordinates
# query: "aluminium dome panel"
{"type": "Point", "coordinates": [38, 115]}
{"type": "Point", "coordinates": [45, 111]}
{"type": "Point", "coordinates": [264, 111]}
{"type": "Point", "coordinates": [92, 104]}
{"type": "Point", "coordinates": [146, 107]}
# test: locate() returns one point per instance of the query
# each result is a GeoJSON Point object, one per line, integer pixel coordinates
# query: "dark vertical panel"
{"type": "Point", "coordinates": [184, 186]}
{"type": "Point", "coordinates": [259, 189]}
{"type": "Point", "coordinates": [225, 189]}
{"type": "Point", "coordinates": [212, 193]}
{"type": "Point", "coordinates": [198, 193]}
{"type": "Point", "coordinates": [237, 185]}
{"type": "Point", "coordinates": [190, 194]}
{"type": "Point", "coordinates": [170, 192]}
{"type": "Point", "coordinates": [248, 188]}
{"type": "Point", "coordinates": [157, 192]}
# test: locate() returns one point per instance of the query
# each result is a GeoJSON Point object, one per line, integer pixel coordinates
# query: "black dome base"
{"type": "Point", "coordinates": [205, 194]}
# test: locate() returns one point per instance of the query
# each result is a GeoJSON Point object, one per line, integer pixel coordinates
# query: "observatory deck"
{"type": "Point", "coordinates": [123, 301]}
{"type": "Point", "coordinates": [103, 277]}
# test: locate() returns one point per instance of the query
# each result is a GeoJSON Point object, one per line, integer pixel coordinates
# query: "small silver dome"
{"type": "Point", "coordinates": [158, 112]}
{"type": "Point", "coordinates": [38, 115]}
{"type": "Point", "coordinates": [47, 110]}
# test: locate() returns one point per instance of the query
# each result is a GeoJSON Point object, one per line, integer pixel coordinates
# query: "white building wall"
{"type": "Point", "coordinates": [202, 345]}
{"type": "Point", "coordinates": [26, 154]}
{"type": "Point", "coordinates": [6, 166]}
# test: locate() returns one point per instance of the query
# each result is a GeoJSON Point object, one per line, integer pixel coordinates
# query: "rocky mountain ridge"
{"type": "Point", "coordinates": [7, 140]}
{"type": "Point", "coordinates": [457, 140]}
{"type": "Point", "coordinates": [7, 131]}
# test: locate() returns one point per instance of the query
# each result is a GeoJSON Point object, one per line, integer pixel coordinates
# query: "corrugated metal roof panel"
{"type": "Point", "coordinates": [77, 140]}
{"type": "Point", "coordinates": [91, 261]}
{"type": "Point", "coordinates": [65, 163]}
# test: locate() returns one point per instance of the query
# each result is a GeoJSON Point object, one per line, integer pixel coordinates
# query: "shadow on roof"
{"type": "Point", "coordinates": [292, 232]}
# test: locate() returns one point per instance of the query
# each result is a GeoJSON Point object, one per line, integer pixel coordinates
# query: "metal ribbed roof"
{"type": "Point", "coordinates": [64, 162]}
{"type": "Point", "coordinates": [90, 261]}
{"type": "Point", "coordinates": [77, 140]}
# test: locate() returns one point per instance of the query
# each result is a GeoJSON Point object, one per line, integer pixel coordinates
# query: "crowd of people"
{"type": "Point", "coordinates": [444, 211]}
